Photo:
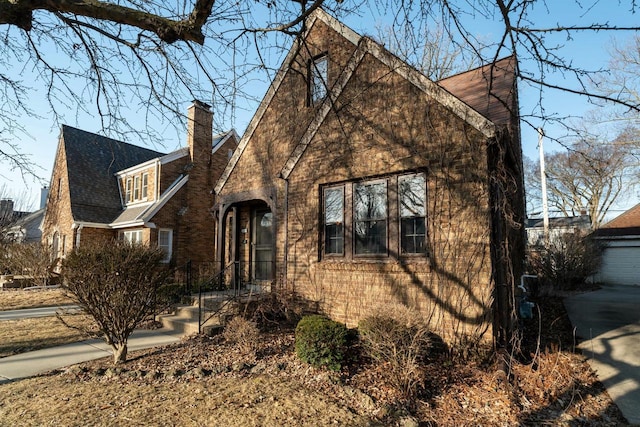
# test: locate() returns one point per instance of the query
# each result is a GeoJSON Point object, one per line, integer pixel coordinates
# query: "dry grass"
{"type": "Point", "coordinates": [256, 401]}
{"type": "Point", "coordinates": [19, 336]}
{"type": "Point", "coordinates": [18, 299]}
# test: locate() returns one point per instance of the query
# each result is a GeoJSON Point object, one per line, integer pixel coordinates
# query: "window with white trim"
{"type": "Point", "coordinates": [145, 186]}
{"type": "Point", "coordinates": [136, 188]}
{"type": "Point", "coordinates": [165, 242]}
{"type": "Point", "coordinates": [318, 78]}
{"type": "Point", "coordinates": [127, 192]}
{"type": "Point", "coordinates": [132, 236]}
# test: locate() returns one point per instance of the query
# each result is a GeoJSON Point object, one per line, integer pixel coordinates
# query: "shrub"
{"type": "Point", "coordinates": [321, 341]}
{"type": "Point", "coordinates": [116, 284]}
{"type": "Point", "coordinates": [567, 262]}
{"type": "Point", "coordinates": [397, 336]}
{"type": "Point", "coordinates": [242, 332]}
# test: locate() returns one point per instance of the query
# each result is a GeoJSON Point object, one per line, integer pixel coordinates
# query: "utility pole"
{"type": "Point", "coordinates": [543, 183]}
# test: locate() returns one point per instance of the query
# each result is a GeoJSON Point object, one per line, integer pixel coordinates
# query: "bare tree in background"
{"type": "Point", "coordinates": [107, 58]}
{"type": "Point", "coordinates": [589, 177]}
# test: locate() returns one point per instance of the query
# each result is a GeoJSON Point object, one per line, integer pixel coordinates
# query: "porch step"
{"type": "Point", "coordinates": [184, 319]}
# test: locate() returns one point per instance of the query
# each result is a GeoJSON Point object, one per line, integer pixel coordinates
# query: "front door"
{"type": "Point", "coordinates": [262, 245]}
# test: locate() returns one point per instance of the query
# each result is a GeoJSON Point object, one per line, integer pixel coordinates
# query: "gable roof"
{"type": "Point", "coordinates": [489, 89]}
{"type": "Point", "coordinates": [626, 224]}
{"type": "Point", "coordinates": [364, 46]}
{"type": "Point", "coordinates": [92, 161]}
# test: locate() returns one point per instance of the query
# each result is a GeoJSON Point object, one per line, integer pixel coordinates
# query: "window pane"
{"type": "Point", "coordinates": [370, 201]}
{"type": "Point", "coordinates": [136, 188]}
{"type": "Point", "coordinates": [412, 195]}
{"type": "Point", "coordinates": [370, 217]}
{"type": "Point", "coordinates": [318, 84]}
{"type": "Point", "coordinates": [413, 235]}
{"type": "Point", "coordinates": [145, 185]}
{"type": "Point", "coordinates": [371, 237]}
{"type": "Point", "coordinates": [333, 239]}
{"type": "Point", "coordinates": [333, 220]}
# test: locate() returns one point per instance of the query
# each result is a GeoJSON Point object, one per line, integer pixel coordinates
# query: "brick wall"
{"type": "Point", "coordinates": [385, 126]}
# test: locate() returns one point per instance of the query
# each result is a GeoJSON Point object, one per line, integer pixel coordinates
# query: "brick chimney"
{"type": "Point", "coordinates": [199, 132]}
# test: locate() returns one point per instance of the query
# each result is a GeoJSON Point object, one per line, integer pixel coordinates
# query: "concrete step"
{"type": "Point", "coordinates": [184, 320]}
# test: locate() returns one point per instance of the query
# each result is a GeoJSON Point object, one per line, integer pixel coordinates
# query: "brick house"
{"type": "Point", "coordinates": [103, 189]}
{"type": "Point", "coordinates": [360, 182]}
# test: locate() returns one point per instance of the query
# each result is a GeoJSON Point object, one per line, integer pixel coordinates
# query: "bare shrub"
{"type": "Point", "coordinates": [399, 337]}
{"type": "Point", "coordinates": [28, 259]}
{"type": "Point", "coordinates": [243, 333]}
{"type": "Point", "coordinates": [116, 284]}
{"type": "Point", "coordinates": [567, 262]}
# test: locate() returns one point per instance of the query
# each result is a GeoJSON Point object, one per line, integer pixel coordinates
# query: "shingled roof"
{"type": "Point", "coordinates": [490, 90]}
{"type": "Point", "coordinates": [627, 224]}
{"type": "Point", "coordinates": [92, 161]}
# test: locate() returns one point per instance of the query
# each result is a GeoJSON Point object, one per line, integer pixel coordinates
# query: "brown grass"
{"type": "Point", "coordinates": [19, 336]}
{"type": "Point", "coordinates": [18, 299]}
{"type": "Point", "coordinates": [255, 401]}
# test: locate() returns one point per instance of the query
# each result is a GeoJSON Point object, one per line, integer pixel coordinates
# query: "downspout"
{"type": "Point", "coordinates": [78, 228]}
{"type": "Point", "coordinates": [285, 255]}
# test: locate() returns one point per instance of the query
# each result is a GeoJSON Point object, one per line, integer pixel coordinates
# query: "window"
{"type": "Point", "coordinates": [318, 73]}
{"type": "Point", "coordinates": [165, 242]}
{"type": "Point", "coordinates": [136, 188]}
{"type": "Point", "coordinates": [145, 185]}
{"type": "Point", "coordinates": [132, 236]}
{"type": "Point", "coordinates": [412, 201]}
{"type": "Point", "coordinates": [59, 188]}
{"type": "Point", "coordinates": [334, 220]}
{"type": "Point", "coordinates": [127, 192]}
{"type": "Point", "coordinates": [384, 217]}
{"type": "Point", "coordinates": [370, 217]}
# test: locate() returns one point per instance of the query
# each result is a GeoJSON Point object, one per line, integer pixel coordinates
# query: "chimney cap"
{"type": "Point", "coordinates": [201, 104]}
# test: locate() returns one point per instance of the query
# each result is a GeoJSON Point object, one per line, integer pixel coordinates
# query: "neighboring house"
{"type": "Point", "coordinates": [620, 240]}
{"type": "Point", "coordinates": [102, 189]}
{"type": "Point", "coordinates": [360, 182]}
{"type": "Point", "coordinates": [19, 226]}
{"type": "Point", "coordinates": [558, 226]}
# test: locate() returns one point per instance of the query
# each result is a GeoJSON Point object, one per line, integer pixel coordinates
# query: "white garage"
{"type": "Point", "coordinates": [620, 239]}
{"type": "Point", "coordinates": [620, 262]}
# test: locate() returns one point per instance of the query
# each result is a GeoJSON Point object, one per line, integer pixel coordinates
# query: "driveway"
{"type": "Point", "coordinates": [607, 323]}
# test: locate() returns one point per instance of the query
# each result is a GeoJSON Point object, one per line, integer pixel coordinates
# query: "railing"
{"type": "Point", "coordinates": [230, 284]}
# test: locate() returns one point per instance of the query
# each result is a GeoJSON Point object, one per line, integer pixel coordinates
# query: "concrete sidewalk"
{"type": "Point", "coordinates": [28, 313]}
{"type": "Point", "coordinates": [35, 362]}
{"type": "Point", "coordinates": [608, 323]}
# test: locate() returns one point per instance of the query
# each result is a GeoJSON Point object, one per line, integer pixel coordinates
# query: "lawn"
{"type": "Point", "coordinates": [19, 336]}
{"type": "Point", "coordinates": [209, 381]}
{"type": "Point", "coordinates": [18, 299]}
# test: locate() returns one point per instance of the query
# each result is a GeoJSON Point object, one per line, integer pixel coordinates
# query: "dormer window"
{"type": "Point", "coordinates": [318, 78]}
{"type": "Point", "coordinates": [136, 188]}
{"type": "Point", "coordinates": [127, 194]}
{"type": "Point", "coordinates": [145, 185]}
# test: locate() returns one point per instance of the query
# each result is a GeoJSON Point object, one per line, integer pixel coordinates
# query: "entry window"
{"type": "Point", "coordinates": [165, 242]}
{"type": "Point", "coordinates": [318, 73]}
{"type": "Point", "coordinates": [334, 221]}
{"type": "Point", "coordinates": [370, 217]}
{"type": "Point", "coordinates": [412, 199]}
{"type": "Point", "coordinates": [262, 245]}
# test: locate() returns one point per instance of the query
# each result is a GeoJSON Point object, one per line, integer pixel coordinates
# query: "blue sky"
{"type": "Point", "coordinates": [587, 50]}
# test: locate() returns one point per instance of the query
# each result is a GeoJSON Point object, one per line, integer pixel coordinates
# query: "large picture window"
{"type": "Point", "coordinates": [384, 217]}
{"type": "Point", "coordinates": [412, 202]}
{"type": "Point", "coordinates": [334, 220]}
{"type": "Point", "coordinates": [370, 217]}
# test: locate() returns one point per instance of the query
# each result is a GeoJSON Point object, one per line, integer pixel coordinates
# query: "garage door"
{"type": "Point", "coordinates": [621, 265]}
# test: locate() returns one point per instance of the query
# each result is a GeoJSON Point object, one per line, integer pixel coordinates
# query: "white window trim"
{"type": "Point", "coordinates": [169, 247]}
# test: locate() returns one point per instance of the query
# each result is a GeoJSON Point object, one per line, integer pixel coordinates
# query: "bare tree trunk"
{"type": "Point", "coordinates": [119, 353]}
